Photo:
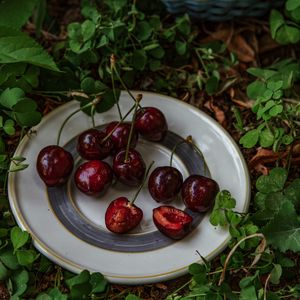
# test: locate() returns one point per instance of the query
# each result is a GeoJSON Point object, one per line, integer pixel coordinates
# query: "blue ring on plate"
{"type": "Point", "coordinates": [88, 232]}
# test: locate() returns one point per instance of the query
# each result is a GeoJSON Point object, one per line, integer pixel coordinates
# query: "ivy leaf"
{"type": "Point", "coordinates": [283, 231]}
{"type": "Point", "coordinates": [15, 13]}
{"type": "Point", "coordinates": [273, 182]}
{"type": "Point", "coordinates": [16, 46]}
{"type": "Point", "coordinates": [288, 34]}
{"type": "Point", "coordinates": [18, 237]}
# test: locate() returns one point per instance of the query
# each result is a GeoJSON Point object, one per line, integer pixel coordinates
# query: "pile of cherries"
{"type": "Point", "coordinates": [95, 176]}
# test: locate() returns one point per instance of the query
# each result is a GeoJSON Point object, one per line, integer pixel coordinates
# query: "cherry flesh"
{"type": "Point", "coordinates": [54, 165]}
{"type": "Point", "coordinates": [198, 193]}
{"type": "Point", "coordinates": [93, 177]}
{"type": "Point", "coordinates": [90, 145]}
{"type": "Point", "coordinates": [120, 135]}
{"type": "Point", "coordinates": [172, 222]}
{"type": "Point", "coordinates": [165, 183]}
{"type": "Point", "coordinates": [121, 216]}
{"type": "Point", "coordinates": [151, 123]}
{"type": "Point", "coordinates": [130, 172]}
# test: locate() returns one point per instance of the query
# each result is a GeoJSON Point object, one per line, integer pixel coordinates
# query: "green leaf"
{"type": "Point", "coordinates": [144, 31]}
{"type": "Point", "coordinates": [10, 97]}
{"type": "Point", "coordinates": [276, 110]}
{"type": "Point", "coordinates": [98, 283]}
{"type": "Point", "coordinates": [181, 47]}
{"type": "Point", "coordinates": [3, 271]}
{"type": "Point", "coordinates": [274, 85]}
{"type": "Point", "coordinates": [273, 182]}
{"type": "Point", "coordinates": [212, 85]}
{"type": "Point", "coordinates": [266, 138]}
{"type": "Point", "coordinates": [26, 257]}
{"type": "Point", "coordinates": [250, 139]}
{"type": "Point", "coordinates": [24, 106]}
{"type": "Point", "coordinates": [295, 14]}
{"type": "Point", "coordinates": [132, 297]}
{"type": "Point", "coordinates": [16, 46]}
{"type": "Point", "coordinates": [276, 21]}
{"type": "Point", "coordinates": [44, 297]}
{"type": "Point", "coordinates": [276, 274]}
{"type": "Point", "coordinates": [248, 293]}
{"type": "Point", "coordinates": [262, 73]}
{"type": "Point", "coordinates": [283, 231]}
{"type": "Point", "coordinates": [292, 4]}
{"type": "Point", "coordinates": [184, 24]}
{"type": "Point", "coordinates": [20, 280]}
{"type": "Point", "coordinates": [255, 89]}
{"type": "Point", "coordinates": [15, 13]}
{"type": "Point", "coordinates": [88, 29]}
{"type": "Point", "coordinates": [9, 127]}
{"type": "Point", "coordinates": [56, 294]}
{"type": "Point", "coordinates": [139, 59]}
{"type": "Point", "coordinates": [293, 193]}
{"type": "Point", "coordinates": [288, 34]}
{"type": "Point", "coordinates": [18, 237]}
{"type": "Point", "coordinates": [9, 259]}
{"type": "Point", "coordinates": [108, 101]}
{"type": "Point", "coordinates": [83, 277]}
{"type": "Point", "coordinates": [28, 119]}
{"type": "Point", "coordinates": [195, 269]}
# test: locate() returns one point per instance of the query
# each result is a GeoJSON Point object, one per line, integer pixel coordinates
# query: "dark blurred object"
{"type": "Point", "coordinates": [221, 10]}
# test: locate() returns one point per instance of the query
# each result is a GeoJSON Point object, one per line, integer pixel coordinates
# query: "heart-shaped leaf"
{"type": "Point", "coordinates": [18, 237]}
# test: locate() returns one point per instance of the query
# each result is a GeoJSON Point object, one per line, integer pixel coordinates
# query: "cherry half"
{"type": "Point", "coordinates": [122, 216]}
{"type": "Point", "coordinates": [165, 183]}
{"type": "Point", "coordinates": [129, 171]}
{"type": "Point", "coordinates": [172, 222]}
{"type": "Point", "coordinates": [120, 135]}
{"type": "Point", "coordinates": [93, 177]}
{"type": "Point", "coordinates": [151, 123]}
{"type": "Point", "coordinates": [90, 144]}
{"type": "Point", "coordinates": [54, 165]}
{"type": "Point", "coordinates": [198, 193]}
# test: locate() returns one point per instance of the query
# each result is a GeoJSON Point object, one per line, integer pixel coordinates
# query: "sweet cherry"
{"type": "Point", "coordinates": [54, 165]}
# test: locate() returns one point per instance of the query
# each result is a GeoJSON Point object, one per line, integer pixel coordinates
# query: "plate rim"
{"type": "Point", "coordinates": [76, 268]}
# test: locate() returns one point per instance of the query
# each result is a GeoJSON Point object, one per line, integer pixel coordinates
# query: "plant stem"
{"type": "Point", "coordinates": [137, 101]}
{"type": "Point", "coordinates": [142, 184]}
{"type": "Point", "coordinates": [190, 141]}
{"type": "Point", "coordinates": [121, 121]}
{"type": "Point", "coordinates": [93, 115]}
{"type": "Point", "coordinates": [94, 102]}
{"type": "Point", "coordinates": [174, 150]}
{"type": "Point", "coordinates": [113, 66]}
{"type": "Point", "coordinates": [114, 91]}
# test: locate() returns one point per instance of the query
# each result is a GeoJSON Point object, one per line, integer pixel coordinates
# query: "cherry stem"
{"type": "Point", "coordinates": [92, 103]}
{"type": "Point", "coordinates": [121, 121]}
{"type": "Point", "coordinates": [137, 101]}
{"type": "Point", "coordinates": [142, 184]}
{"type": "Point", "coordinates": [174, 150]}
{"type": "Point", "coordinates": [114, 90]}
{"type": "Point", "coordinates": [190, 141]}
{"type": "Point", "coordinates": [113, 67]}
{"type": "Point", "coordinates": [93, 115]}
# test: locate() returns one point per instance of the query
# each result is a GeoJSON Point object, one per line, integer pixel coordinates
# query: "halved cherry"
{"type": "Point", "coordinates": [122, 216]}
{"type": "Point", "coordinates": [172, 222]}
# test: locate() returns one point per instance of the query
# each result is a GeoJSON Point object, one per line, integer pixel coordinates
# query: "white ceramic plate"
{"type": "Point", "coordinates": [37, 210]}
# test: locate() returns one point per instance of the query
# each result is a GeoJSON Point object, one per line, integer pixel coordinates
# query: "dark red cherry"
{"type": "Point", "coordinates": [120, 135]}
{"type": "Point", "coordinates": [165, 183]}
{"type": "Point", "coordinates": [54, 165]}
{"type": "Point", "coordinates": [132, 171]}
{"type": "Point", "coordinates": [93, 177]}
{"type": "Point", "coordinates": [90, 145]}
{"type": "Point", "coordinates": [172, 222]}
{"type": "Point", "coordinates": [198, 193]}
{"type": "Point", "coordinates": [151, 123]}
{"type": "Point", "coordinates": [121, 216]}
